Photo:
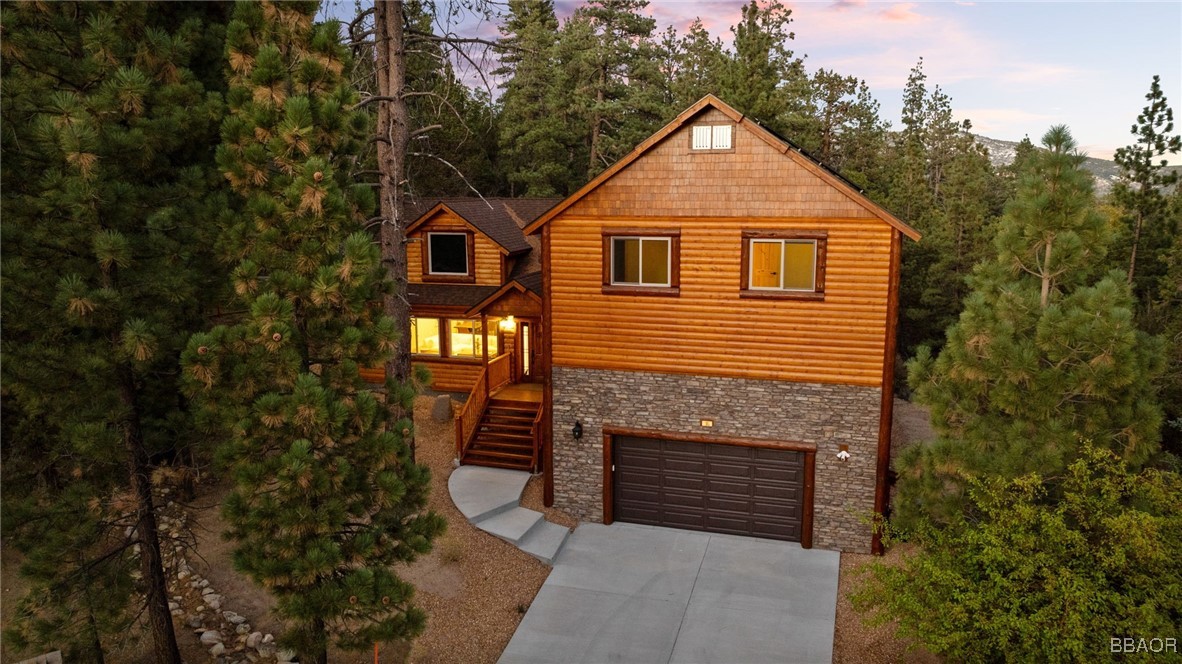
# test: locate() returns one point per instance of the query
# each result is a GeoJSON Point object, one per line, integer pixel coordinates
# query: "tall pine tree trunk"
{"type": "Point", "coordinates": [151, 562]}
{"type": "Point", "coordinates": [393, 135]}
{"type": "Point", "coordinates": [1136, 241]}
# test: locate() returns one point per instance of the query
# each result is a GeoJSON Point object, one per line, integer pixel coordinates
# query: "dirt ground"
{"type": "Point", "coordinates": [474, 587]}
{"type": "Point", "coordinates": [853, 642]}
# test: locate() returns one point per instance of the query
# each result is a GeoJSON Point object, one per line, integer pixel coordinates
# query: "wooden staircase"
{"type": "Point", "coordinates": [504, 438]}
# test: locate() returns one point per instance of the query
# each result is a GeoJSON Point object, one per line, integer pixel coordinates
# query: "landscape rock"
{"type": "Point", "coordinates": [285, 656]}
{"type": "Point", "coordinates": [206, 589]}
{"type": "Point", "coordinates": [210, 637]}
{"type": "Point", "coordinates": [441, 410]}
{"type": "Point", "coordinates": [242, 629]}
{"type": "Point", "coordinates": [194, 622]}
{"type": "Point", "coordinates": [254, 639]}
{"type": "Point", "coordinates": [217, 650]}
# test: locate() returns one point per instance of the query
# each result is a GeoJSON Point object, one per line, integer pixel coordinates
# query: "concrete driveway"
{"type": "Point", "coordinates": [630, 593]}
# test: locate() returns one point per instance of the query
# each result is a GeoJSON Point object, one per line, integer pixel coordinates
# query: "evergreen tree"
{"type": "Point", "coordinates": [1045, 569]}
{"type": "Point", "coordinates": [109, 112]}
{"type": "Point", "coordinates": [534, 139]}
{"type": "Point", "coordinates": [1045, 353]}
{"type": "Point", "coordinates": [850, 136]}
{"type": "Point", "coordinates": [326, 495]}
{"type": "Point", "coordinates": [764, 78]}
{"type": "Point", "coordinates": [1141, 191]}
{"type": "Point", "coordinates": [696, 63]}
{"type": "Point", "coordinates": [611, 63]}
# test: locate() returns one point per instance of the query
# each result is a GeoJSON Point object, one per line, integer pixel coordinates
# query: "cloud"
{"type": "Point", "coordinates": [902, 12]}
{"type": "Point", "coordinates": [846, 5]}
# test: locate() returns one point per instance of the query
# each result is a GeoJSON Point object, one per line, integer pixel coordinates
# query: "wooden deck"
{"type": "Point", "coordinates": [520, 392]}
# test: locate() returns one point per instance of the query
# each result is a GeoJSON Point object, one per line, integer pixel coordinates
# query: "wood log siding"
{"type": "Point", "coordinates": [486, 254]}
{"type": "Point", "coordinates": [451, 375]}
{"type": "Point", "coordinates": [707, 328]}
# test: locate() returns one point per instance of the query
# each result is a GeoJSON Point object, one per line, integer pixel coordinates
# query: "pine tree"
{"type": "Point", "coordinates": [534, 139]}
{"type": "Point", "coordinates": [109, 112]}
{"type": "Point", "coordinates": [696, 63]}
{"type": "Point", "coordinates": [1141, 191]}
{"type": "Point", "coordinates": [326, 494]}
{"type": "Point", "coordinates": [763, 77]}
{"type": "Point", "coordinates": [611, 65]}
{"type": "Point", "coordinates": [1045, 354]}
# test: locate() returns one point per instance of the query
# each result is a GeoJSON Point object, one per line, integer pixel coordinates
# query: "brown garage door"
{"type": "Point", "coordinates": [707, 486]}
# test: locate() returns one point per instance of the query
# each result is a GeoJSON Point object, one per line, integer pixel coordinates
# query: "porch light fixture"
{"type": "Point", "coordinates": [577, 430]}
{"type": "Point", "coordinates": [507, 324]}
{"type": "Point", "coordinates": [843, 452]}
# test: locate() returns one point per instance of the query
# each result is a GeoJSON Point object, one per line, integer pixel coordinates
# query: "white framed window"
{"type": "Point", "coordinates": [711, 137]}
{"type": "Point", "coordinates": [447, 253]}
{"type": "Point", "coordinates": [641, 261]}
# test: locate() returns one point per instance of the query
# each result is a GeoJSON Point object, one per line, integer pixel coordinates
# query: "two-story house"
{"type": "Point", "coordinates": [475, 293]}
{"type": "Point", "coordinates": [718, 338]}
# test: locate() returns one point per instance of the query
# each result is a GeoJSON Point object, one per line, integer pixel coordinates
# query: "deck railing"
{"type": "Point", "coordinates": [469, 418]}
{"type": "Point", "coordinates": [500, 371]}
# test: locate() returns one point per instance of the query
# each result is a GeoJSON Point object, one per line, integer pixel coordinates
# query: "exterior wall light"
{"type": "Point", "coordinates": [577, 430]}
{"type": "Point", "coordinates": [507, 324]}
{"type": "Point", "coordinates": [843, 452]}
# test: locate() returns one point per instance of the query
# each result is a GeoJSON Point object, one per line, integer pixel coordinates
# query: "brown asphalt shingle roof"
{"type": "Point", "coordinates": [449, 295]}
{"type": "Point", "coordinates": [501, 219]}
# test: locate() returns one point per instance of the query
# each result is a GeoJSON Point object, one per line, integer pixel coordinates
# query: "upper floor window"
{"type": "Point", "coordinates": [711, 137]}
{"type": "Point", "coordinates": [641, 261]}
{"type": "Point", "coordinates": [447, 254]}
{"type": "Point", "coordinates": [786, 264]}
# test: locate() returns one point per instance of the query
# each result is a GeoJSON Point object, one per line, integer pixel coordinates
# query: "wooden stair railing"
{"type": "Point", "coordinates": [500, 371]}
{"type": "Point", "coordinates": [469, 418]}
{"type": "Point", "coordinates": [536, 432]}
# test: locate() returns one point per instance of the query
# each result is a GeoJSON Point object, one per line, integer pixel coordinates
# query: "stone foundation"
{"type": "Point", "coordinates": [826, 415]}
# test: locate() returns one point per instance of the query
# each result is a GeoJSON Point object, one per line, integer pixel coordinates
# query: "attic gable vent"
{"type": "Point", "coordinates": [712, 137]}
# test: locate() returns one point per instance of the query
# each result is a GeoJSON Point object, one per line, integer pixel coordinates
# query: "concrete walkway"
{"type": "Point", "coordinates": [490, 499]}
{"type": "Point", "coordinates": [630, 593]}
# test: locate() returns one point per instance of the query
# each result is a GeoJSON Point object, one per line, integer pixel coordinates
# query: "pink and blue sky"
{"type": "Point", "coordinates": [1013, 68]}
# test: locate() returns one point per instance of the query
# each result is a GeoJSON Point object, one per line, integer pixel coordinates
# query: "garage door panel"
{"type": "Point", "coordinates": [712, 487]}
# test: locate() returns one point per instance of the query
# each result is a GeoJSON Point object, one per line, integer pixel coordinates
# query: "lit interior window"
{"type": "Point", "coordinates": [424, 336]}
{"type": "Point", "coordinates": [465, 339]}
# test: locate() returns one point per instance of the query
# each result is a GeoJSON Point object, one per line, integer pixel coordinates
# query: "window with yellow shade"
{"type": "Point", "coordinates": [466, 339]}
{"type": "Point", "coordinates": [424, 336]}
{"type": "Point", "coordinates": [783, 264]}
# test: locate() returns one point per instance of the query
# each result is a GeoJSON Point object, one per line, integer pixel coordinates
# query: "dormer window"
{"type": "Point", "coordinates": [449, 257]}
{"type": "Point", "coordinates": [448, 253]}
{"type": "Point", "coordinates": [711, 137]}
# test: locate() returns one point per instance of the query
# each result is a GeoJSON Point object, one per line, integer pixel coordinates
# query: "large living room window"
{"type": "Point", "coordinates": [641, 262]}
{"type": "Point", "coordinates": [448, 254]}
{"type": "Point", "coordinates": [451, 337]}
{"type": "Point", "coordinates": [783, 264]}
{"type": "Point", "coordinates": [466, 339]}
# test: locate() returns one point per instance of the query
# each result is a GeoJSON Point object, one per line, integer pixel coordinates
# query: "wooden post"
{"type": "Point", "coordinates": [484, 349]}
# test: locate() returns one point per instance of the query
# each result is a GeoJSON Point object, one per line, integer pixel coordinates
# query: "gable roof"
{"type": "Point", "coordinates": [529, 285]}
{"type": "Point", "coordinates": [781, 145]}
{"type": "Point", "coordinates": [501, 219]}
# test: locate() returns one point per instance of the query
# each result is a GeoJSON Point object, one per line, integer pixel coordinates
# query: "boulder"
{"type": "Point", "coordinates": [217, 650]}
{"type": "Point", "coordinates": [210, 637]}
{"type": "Point", "coordinates": [441, 410]}
{"type": "Point", "coordinates": [254, 640]}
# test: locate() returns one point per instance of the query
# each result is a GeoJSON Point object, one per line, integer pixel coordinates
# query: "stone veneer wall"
{"type": "Point", "coordinates": [824, 414]}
